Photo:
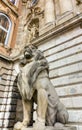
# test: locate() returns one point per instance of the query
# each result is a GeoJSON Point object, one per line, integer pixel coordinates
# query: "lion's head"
{"type": "Point", "coordinates": [29, 51]}
{"type": "Point", "coordinates": [28, 54]}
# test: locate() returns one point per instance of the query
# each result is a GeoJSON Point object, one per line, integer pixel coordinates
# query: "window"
{"type": "Point", "coordinates": [5, 26]}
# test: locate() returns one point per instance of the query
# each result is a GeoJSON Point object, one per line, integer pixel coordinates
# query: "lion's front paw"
{"type": "Point", "coordinates": [38, 125]}
{"type": "Point", "coordinates": [19, 126]}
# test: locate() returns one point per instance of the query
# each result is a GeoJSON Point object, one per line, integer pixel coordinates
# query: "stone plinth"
{"type": "Point", "coordinates": [51, 128]}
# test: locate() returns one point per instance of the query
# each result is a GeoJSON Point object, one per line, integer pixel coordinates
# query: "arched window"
{"type": "Point", "coordinates": [5, 27]}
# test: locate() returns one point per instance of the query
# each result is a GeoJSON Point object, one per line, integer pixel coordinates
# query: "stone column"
{"type": "Point", "coordinates": [65, 5]}
{"type": "Point", "coordinates": [49, 11]}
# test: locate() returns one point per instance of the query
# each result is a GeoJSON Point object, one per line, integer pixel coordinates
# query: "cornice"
{"type": "Point", "coordinates": [9, 59]}
{"type": "Point", "coordinates": [59, 29]}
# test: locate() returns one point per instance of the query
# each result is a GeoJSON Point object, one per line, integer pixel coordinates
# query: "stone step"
{"type": "Point", "coordinates": [51, 128]}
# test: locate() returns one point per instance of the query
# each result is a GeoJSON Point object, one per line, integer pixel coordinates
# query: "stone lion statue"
{"type": "Point", "coordinates": [34, 85]}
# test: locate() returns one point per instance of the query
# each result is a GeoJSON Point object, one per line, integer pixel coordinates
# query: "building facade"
{"type": "Point", "coordinates": [56, 28]}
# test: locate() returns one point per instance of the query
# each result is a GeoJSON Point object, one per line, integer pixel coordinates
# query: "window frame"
{"type": "Point", "coordinates": [15, 4]}
{"type": "Point", "coordinates": [7, 31]}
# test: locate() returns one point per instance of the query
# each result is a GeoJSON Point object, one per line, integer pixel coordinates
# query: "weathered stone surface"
{"type": "Point", "coordinates": [52, 128]}
{"type": "Point", "coordinates": [50, 109]}
{"type": "Point", "coordinates": [65, 48]}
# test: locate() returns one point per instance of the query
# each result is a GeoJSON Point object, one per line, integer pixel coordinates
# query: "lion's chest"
{"type": "Point", "coordinates": [25, 70]}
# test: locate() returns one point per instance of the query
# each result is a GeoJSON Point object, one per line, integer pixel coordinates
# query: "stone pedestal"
{"type": "Point", "coordinates": [51, 128]}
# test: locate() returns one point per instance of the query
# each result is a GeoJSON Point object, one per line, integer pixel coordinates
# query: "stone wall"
{"type": "Point", "coordinates": [63, 51]}
{"type": "Point", "coordinates": [62, 47]}
{"type": "Point", "coordinates": [50, 15]}
{"type": "Point", "coordinates": [8, 95]}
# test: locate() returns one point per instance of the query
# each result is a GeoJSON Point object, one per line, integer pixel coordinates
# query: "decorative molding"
{"type": "Point", "coordinates": [71, 23]}
{"type": "Point", "coordinates": [12, 8]}
{"type": "Point", "coordinates": [8, 11]}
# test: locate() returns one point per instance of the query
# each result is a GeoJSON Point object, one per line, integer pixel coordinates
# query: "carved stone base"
{"type": "Point", "coordinates": [51, 128]}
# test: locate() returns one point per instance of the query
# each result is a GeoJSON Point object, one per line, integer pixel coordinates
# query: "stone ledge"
{"type": "Point", "coordinates": [52, 128]}
{"type": "Point", "coordinates": [69, 24]}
